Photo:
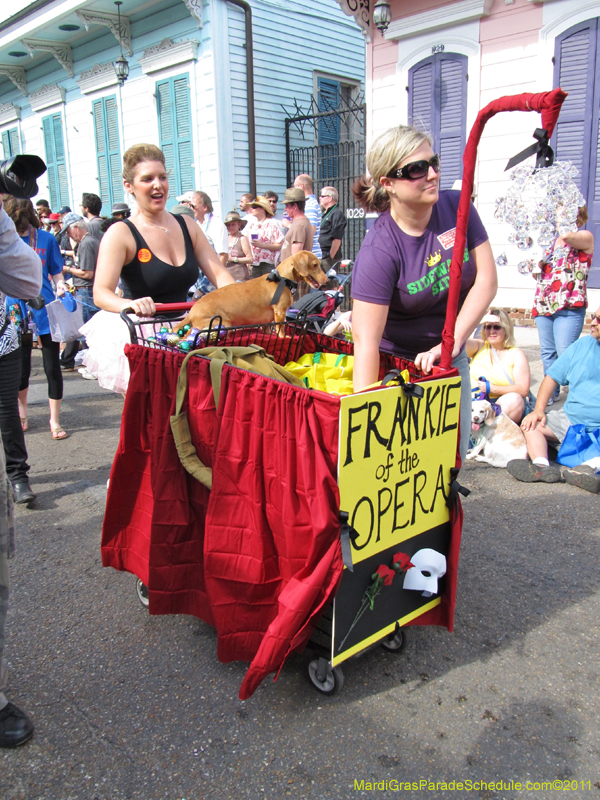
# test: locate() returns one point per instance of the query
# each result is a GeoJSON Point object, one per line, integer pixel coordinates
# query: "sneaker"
{"type": "Point", "coordinates": [87, 375]}
{"type": "Point", "coordinates": [525, 470]}
{"type": "Point", "coordinates": [582, 476]}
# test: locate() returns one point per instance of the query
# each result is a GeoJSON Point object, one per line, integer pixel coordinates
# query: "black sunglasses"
{"type": "Point", "coordinates": [416, 169]}
{"type": "Point", "coordinates": [492, 327]}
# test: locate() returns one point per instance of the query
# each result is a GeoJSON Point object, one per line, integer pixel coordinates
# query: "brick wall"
{"type": "Point", "coordinates": [522, 317]}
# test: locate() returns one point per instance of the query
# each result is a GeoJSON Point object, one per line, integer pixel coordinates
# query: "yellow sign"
{"type": "Point", "coordinates": [396, 452]}
{"type": "Point", "coordinates": [395, 455]}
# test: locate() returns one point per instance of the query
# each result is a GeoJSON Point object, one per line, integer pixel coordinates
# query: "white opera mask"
{"type": "Point", "coordinates": [429, 566]}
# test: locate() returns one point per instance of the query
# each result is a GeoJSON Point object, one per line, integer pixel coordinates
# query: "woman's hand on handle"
{"type": "Point", "coordinates": [143, 306]}
{"type": "Point", "coordinates": [425, 361]}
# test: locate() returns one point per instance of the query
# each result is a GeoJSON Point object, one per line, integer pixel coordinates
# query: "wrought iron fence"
{"type": "Point", "coordinates": [330, 147]}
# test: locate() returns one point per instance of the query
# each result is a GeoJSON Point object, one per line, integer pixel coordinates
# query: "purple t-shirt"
{"type": "Point", "coordinates": [411, 274]}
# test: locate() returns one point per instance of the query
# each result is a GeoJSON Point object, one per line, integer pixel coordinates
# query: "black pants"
{"type": "Point", "coordinates": [51, 361]}
{"type": "Point", "coordinates": [261, 269]}
{"type": "Point", "coordinates": [67, 358]}
{"type": "Point", "coordinates": [10, 423]}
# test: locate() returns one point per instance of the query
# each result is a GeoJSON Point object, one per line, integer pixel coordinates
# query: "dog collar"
{"type": "Point", "coordinates": [281, 282]}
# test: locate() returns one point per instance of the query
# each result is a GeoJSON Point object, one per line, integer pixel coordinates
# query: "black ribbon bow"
{"type": "Point", "coordinates": [281, 282]}
{"type": "Point", "coordinates": [545, 154]}
{"type": "Point", "coordinates": [348, 537]}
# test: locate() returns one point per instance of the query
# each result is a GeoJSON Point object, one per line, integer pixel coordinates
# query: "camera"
{"type": "Point", "coordinates": [18, 176]}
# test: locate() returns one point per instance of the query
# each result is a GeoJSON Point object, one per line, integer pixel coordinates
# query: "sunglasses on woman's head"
{"type": "Point", "coordinates": [416, 169]}
{"type": "Point", "coordinates": [492, 327]}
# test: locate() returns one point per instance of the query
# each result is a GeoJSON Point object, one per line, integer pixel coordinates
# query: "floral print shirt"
{"type": "Point", "coordinates": [562, 281]}
{"type": "Point", "coordinates": [266, 231]}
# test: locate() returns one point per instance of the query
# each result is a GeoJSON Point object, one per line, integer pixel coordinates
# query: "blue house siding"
{"type": "Point", "coordinates": [284, 70]}
{"type": "Point", "coordinates": [239, 107]}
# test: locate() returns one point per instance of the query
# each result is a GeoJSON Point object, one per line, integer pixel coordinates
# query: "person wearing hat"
{"type": "Point", "coordinates": [186, 197]}
{"type": "Point", "coordinates": [120, 211]}
{"type": "Point", "coordinates": [183, 208]}
{"type": "Point", "coordinates": [300, 233]}
{"type": "Point", "coordinates": [54, 224]}
{"type": "Point", "coordinates": [265, 237]}
{"type": "Point", "coordinates": [239, 254]}
{"type": "Point", "coordinates": [497, 367]}
{"type": "Point", "coordinates": [83, 278]}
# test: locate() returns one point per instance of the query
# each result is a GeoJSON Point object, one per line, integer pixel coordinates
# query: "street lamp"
{"type": "Point", "coordinates": [382, 15]}
{"type": "Point", "coordinates": [121, 63]}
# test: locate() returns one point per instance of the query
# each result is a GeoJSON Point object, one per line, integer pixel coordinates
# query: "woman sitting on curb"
{"type": "Point", "coordinates": [503, 367]}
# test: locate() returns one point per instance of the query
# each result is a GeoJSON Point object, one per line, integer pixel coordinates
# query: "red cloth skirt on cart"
{"type": "Point", "coordinates": [258, 556]}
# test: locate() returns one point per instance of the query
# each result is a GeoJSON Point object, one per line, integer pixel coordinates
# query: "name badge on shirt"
{"type": "Point", "coordinates": [447, 239]}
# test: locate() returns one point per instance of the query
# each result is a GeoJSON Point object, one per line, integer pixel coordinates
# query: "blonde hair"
{"type": "Point", "coordinates": [507, 324]}
{"type": "Point", "coordinates": [136, 155]}
{"type": "Point", "coordinates": [384, 155]}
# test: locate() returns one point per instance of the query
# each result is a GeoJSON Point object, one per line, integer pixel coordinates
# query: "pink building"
{"type": "Point", "coordinates": [438, 63]}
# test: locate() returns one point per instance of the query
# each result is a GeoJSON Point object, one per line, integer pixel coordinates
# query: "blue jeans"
{"type": "Point", "coordinates": [557, 332]}
{"type": "Point", "coordinates": [86, 295]}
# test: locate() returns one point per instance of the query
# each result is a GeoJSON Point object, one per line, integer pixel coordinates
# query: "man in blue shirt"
{"type": "Point", "coordinates": [312, 209]}
{"type": "Point", "coordinates": [579, 369]}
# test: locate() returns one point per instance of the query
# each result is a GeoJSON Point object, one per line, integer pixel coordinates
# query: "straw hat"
{"type": "Point", "coordinates": [262, 202]}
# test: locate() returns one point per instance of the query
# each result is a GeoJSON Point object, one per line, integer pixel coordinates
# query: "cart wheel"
{"type": "Point", "coordinates": [395, 642]}
{"type": "Point", "coordinates": [333, 678]}
{"type": "Point", "coordinates": [142, 593]}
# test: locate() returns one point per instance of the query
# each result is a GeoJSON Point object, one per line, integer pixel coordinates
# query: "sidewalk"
{"type": "Point", "coordinates": [527, 339]}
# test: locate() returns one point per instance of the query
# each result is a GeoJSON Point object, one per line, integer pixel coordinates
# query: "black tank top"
{"type": "Point", "coordinates": [147, 276]}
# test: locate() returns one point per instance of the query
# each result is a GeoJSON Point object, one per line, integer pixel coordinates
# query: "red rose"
{"type": "Point", "coordinates": [386, 573]}
{"type": "Point", "coordinates": [401, 562]}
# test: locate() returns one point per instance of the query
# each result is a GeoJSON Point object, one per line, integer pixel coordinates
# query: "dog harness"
{"type": "Point", "coordinates": [281, 282]}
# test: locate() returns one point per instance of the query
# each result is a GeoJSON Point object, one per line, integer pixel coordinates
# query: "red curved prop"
{"type": "Point", "coordinates": [549, 103]}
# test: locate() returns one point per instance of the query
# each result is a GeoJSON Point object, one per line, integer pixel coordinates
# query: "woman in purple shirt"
{"type": "Point", "coordinates": [401, 275]}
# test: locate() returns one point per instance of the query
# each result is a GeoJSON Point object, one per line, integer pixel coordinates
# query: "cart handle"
{"type": "Point", "coordinates": [549, 104]}
{"type": "Point", "coordinates": [160, 308]}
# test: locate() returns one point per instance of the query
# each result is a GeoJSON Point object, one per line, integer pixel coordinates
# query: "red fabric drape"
{"type": "Point", "coordinates": [259, 556]}
{"type": "Point", "coordinates": [549, 103]}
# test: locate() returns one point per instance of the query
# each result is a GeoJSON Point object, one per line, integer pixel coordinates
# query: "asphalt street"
{"type": "Point", "coordinates": [133, 707]}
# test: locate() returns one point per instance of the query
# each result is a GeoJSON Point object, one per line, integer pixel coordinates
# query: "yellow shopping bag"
{"type": "Point", "coordinates": [327, 372]}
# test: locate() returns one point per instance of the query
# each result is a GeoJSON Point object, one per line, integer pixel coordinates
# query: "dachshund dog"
{"type": "Point", "coordinates": [251, 302]}
{"type": "Point", "coordinates": [499, 439]}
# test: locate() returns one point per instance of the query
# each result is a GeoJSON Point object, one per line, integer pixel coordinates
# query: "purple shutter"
{"type": "Point", "coordinates": [437, 89]}
{"type": "Point", "coordinates": [576, 137]}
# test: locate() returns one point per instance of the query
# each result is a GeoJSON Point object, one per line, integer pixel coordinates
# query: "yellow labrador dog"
{"type": "Point", "coordinates": [251, 302]}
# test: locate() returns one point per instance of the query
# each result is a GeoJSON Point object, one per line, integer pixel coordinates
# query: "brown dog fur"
{"type": "Point", "coordinates": [249, 303]}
